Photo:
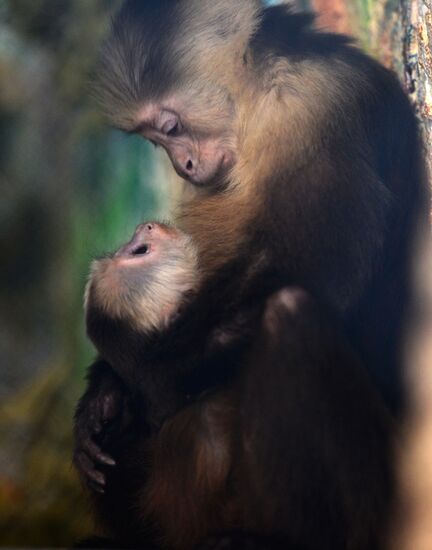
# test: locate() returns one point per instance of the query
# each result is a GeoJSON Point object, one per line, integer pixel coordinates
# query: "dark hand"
{"type": "Point", "coordinates": [102, 414]}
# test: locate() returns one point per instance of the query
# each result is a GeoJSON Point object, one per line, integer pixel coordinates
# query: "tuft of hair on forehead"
{"type": "Point", "coordinates": [156, 46]}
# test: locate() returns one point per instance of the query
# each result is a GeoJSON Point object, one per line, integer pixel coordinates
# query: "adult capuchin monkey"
{"type": "Point", "coordinates": [196, 476]}
{"type": "Point", "coordinates": [306, 164]}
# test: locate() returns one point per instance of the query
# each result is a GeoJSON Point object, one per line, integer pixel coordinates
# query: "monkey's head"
{"type": "Point", "coordinates": [139, 289]}
{"type": "Point", "coordinates": [171, 71]}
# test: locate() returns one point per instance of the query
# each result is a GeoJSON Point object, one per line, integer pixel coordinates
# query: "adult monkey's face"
{"type": "Point", "coordinates": [171, 71]}
{"type": "Point", "coordinates": [201, 151]}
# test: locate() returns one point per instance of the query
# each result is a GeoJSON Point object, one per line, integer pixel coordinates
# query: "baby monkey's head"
{"type": "Point", "coordinates": [143, 284]}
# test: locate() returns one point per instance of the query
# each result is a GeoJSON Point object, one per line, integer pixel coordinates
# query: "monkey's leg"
{"type": "Point", "coordinates": [317, 438]}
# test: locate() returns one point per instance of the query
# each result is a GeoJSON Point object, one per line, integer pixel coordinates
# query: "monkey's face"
{"type": "Point", "coordinates": [172, 71]}
{"type": "Point", "coordinates": [145, 282]}
{"type": "Point", "coordinates": [202, 156]}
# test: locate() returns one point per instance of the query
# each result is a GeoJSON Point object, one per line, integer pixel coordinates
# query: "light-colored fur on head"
{"type": "Point", "coordinates": [146, 296]}
{"type": "Point", "coordinates": [156, 46]}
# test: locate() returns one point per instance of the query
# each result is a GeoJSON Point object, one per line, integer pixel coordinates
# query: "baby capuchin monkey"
{"type": "Point", "coordinates": [132, 297]}
{"type": "Point", "coordinates": [187, 473]}
{"type": "Point", "coordinates": [132, 301]}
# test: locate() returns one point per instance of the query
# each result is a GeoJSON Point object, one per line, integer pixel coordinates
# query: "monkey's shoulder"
{"type": "Point", "coordinates": [331, 64]}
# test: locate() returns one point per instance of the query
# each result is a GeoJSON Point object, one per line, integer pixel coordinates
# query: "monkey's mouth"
{"type": "Point", "coordinates": [132, 250]}
{"type": "Point", "coordinates": [141, 244]}
{"type": "Point", "coordinates": [217, 179]}
{"type": "Point", "coordinates": [140, 250]}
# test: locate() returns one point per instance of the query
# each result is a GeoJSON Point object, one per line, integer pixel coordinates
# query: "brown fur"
{"type": "Point", "coordinates": [124, 300]}
{"type": "Point", "coordinates": [194, 495]}
{"type": "Point", "coordinates": [322, 187]}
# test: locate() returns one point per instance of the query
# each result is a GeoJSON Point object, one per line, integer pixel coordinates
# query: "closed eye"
{"type": "Point", "coordinates": [172, 127]}
{"type": "Point", "coordinates": [174, 130]}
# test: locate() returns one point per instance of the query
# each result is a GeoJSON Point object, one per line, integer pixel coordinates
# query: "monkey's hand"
{"type": "Point", "coordinates": [102, 414]}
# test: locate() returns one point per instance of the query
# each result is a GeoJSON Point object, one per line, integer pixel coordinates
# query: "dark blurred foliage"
{"type": "Point", "coordinates": [70, 188]}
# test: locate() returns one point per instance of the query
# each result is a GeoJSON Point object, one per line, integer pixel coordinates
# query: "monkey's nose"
{"type": "Point", "coordinates": [154, 231]}
{"type": "Point", "coordinates": [145, 229]}
{"type": "Point", "coordinates": [139, 244]}
{"type": "Point", "coordinates": [185, 167]}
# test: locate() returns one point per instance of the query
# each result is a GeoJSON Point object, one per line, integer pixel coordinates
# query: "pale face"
{"type": "Point", "coordinates": [202, 157]}
{"type": "Point", "coordinates": [145, 282]}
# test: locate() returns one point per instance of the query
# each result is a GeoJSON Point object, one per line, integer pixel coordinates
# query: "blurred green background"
{"type": "Point", "coordinates": [71, 188]}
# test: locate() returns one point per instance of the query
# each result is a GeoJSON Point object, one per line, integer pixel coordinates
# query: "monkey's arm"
{"type": "Point", "coordinates": [101, 414]}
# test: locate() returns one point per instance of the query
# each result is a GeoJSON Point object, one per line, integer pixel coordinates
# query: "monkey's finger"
{"type": "Point", "coordinates": [94, 420]}
{"type": "Point", "coordinates": [95, 487]}
{"type": "Point", "coordinates": [96, 454]}
{"type": "Point", "coordinates": [86, 467]}
{"type": "Point", "coordinates": [103, 458]}
{"type": "Point", "coordinates": [110, 407]}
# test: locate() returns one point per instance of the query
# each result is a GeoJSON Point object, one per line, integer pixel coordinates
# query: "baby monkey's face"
{"type": "Point", "coordinates": [146, 280]}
